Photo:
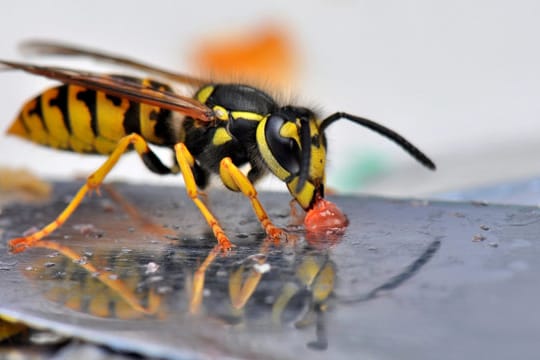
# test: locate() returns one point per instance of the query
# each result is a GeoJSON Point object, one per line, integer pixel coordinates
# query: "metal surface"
{"type": "Point", "coordinates": [409, 279]}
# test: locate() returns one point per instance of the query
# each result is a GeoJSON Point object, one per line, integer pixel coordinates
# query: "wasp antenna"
{"type": "Point", "coordinates": [383, 130]}
{"type": "Point", "coordinates": [305, 143]}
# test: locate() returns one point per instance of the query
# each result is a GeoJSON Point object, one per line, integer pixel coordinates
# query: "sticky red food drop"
{"type": "Point", "coordinates": [325, 217]}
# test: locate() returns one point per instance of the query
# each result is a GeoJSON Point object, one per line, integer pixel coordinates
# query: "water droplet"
{"type": "Point", "coordinates": [262, 268]}
{"type": "Point", "coordinates": [151, 268]}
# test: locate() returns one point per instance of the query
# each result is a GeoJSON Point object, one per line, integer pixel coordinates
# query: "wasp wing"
{"type": "Point", "coordinates": [43, 47]}
{"type": "Point", "coordinates": [121, 87]}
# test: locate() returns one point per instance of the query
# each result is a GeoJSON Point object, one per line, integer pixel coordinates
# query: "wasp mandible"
{"type": "Point", "coordinates": [219, 129]}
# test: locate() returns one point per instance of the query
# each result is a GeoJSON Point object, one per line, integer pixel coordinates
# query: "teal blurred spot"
{"type": "Point", "coordinates": [358, 170]}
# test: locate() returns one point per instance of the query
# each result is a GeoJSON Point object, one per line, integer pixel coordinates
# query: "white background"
{"type": "Point", "coordinates": [460, 79]}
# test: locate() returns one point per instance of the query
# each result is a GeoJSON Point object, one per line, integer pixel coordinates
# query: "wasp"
{"type": "Point", "coordinates": [221, 128]}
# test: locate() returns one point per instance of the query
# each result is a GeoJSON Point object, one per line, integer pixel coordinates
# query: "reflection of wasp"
{"type": "Point", "coordinates": [224, 126]}
{"type": "Point", "coordinates": [264, 288]}
{"type": "Point", "coordinates": [261, 289]}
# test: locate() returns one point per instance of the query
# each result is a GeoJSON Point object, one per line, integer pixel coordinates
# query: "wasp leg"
{"type": "Point", "coordinates": [235, 180]}
{"type": "Point", "coordinates": [186, 162]}
{"type": "Point", "coordinates": [93, 182]}
{"type": "Point", "coordinates": [198, 281]}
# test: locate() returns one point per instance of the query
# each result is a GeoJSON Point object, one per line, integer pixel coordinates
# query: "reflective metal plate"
{"type": "Point", "coordinates": [409, 279]}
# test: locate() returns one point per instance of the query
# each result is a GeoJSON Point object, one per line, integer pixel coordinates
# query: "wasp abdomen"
{"type": "Point", "coordinates": [74, 118]}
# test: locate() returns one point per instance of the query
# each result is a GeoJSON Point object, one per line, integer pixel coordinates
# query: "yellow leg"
{"type": "Point", "coordinates": [94, 180]}
{"type": "Point", "coordinates": [186, 161]}
{"type": "Point", "coordinates": [235, 180]}
{"type": "Point", "coordinates": [240, 290]}
{"type": "Point", "coordinates": [197, 291]}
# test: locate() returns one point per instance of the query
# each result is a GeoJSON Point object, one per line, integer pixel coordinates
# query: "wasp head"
{"type": "Point", "coordinates": [294, 150]}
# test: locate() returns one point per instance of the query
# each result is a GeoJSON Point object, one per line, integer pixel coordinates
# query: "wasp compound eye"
{"type": "Point", "coordinates": [280, 137]}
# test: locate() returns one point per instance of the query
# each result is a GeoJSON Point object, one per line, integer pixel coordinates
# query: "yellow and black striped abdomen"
{"type": "Point", "coordinates": [70, 117]}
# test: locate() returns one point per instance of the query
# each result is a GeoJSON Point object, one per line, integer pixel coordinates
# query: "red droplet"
{"type": "Point", "coordinates": [325, 217]}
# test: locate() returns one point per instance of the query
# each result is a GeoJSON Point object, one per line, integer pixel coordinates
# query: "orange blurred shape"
{"type": "Point", "coordinates": [264, 56]}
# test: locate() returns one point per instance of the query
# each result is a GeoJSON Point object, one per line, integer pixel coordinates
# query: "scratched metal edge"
{"type": "Point", "coordinates": [118, 343]}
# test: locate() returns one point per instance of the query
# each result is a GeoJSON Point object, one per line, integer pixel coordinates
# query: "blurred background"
{"type": "Point", "coordinates": [459, 79]}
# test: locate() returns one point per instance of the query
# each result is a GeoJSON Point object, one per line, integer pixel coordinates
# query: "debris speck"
{"type": "Point", "coordinates": [164, 289]}
{"type": "Point", "coordinates": [222, 273]}
{"type": "Point", "coordinates": [30, 231]}
{"type": "Point", "coordinates": [107, 206]}
{"type": "Point", "coordinates": [419, 203]}
{"type": "Point", "coordinates": [85, 229]}
{"type": "Point", "coordinates": [83, 260]}
{"type": "Point", "coordinates": [256, 257]}
{"type": "Point", "coordinates": [113, 277]}
{"type": "Point", "coordinates": [478, 238]}
{"type": "Point", "coordinates": [49, 264]}
{"type": "Point", "coordinates": [47, 338]}
{"type": "Point", "coordinates": [479, 203]}
{"type": "Point", "coordinates": [28, 268]}
{"type": "Point", "coordinates": [155, 279]}
{"type": "Point", "coordinates": [484, 227]}
{"type": "Point", "coordinates": [493, 244]}
{"type": "Point", "coordinates": [7, 266]}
